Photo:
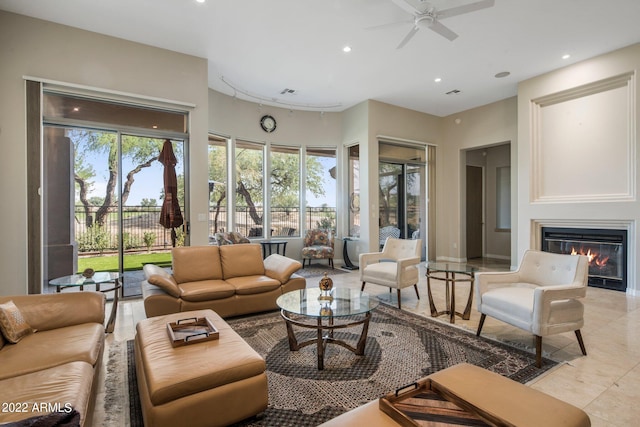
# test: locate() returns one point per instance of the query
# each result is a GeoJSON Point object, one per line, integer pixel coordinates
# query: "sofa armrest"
{"type": "Point", "coordinates": [52, 311]}
{"type": "Point", "coordinates": [280, 267]}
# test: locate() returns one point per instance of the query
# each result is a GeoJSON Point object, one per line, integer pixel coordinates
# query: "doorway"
{"type": "Point", "coordinates": [475, 212]}
{"type": "Point", "coordinates": [103, 189]}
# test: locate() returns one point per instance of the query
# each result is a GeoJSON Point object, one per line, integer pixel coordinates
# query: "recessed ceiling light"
{"type": "Point", "coordinates": [502, 74]}
{"type": "Point", "coordinates": [437, 80]}
{"type": "Point", "coordinates": [346, 49]}
{"type": "Point", "coordinates": [200, 1]}
{"type": "Point", "coordinates": [566, 56]}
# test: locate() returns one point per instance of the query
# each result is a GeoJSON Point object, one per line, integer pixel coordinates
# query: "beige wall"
{"type": "Point", "coordinates": [584, 202]}
{"type": "Point", "coordinates": [32, 47]}
{"type": "Point", "coordinates": [484, 126]}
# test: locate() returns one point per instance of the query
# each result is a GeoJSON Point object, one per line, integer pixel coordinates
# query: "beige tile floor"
{"type": "Point", "coordinates": [606, 383]}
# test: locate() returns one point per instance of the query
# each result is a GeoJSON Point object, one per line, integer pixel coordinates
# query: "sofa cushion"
{"type": "Point", "coordinates": [12, 323]}
{"type": "Point", "coordinates": [193, 263]}
{"type": "Point", "coordinates": [61, 387]}
{"type": "Point", "coordinates": [206, 290]}
{"type": "Point", "coordinates": [241, 260]}
{"type": "Point", "coordinates": [47, 349]}
{"type": "Point", "coordinates": [172, 373]}
{"type": "Point", "coordinates": [249, 285]}
{"type": "Point", "coordinates": [280, 267]}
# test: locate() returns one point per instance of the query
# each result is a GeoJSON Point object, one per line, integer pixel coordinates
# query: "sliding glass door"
{"type": "Point", "coordinates": [402, 196]}
{"type": "Point", "coordinates": [103, 189]}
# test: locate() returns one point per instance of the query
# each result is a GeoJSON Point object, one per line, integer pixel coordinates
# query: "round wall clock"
{"type": "Point", "coordinates": [268, 123]}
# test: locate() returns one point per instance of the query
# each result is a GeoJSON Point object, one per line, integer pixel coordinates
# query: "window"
{"type": "Point", "coordinates": [321, 188]}
{"type": "Point", "coordinates": [217, 184]}
{"type": "Point", "coordinates": [285, 191]}
{"type": "Point", "coordinates": [249, 210]}
{"type": "Point", "coordinates": [354, 191]}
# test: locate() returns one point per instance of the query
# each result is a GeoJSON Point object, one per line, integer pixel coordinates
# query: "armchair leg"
{"type": "Point", "coordinates": [331, 262]}
{"type": "Point", "coordinates": [580, 342]}
{"type": "Point", "coordinates": [362, 289]}
{"type": "Point", "coordinates": [538, 351]}
{"type": "Point", "coordinates": [416, 288]}
{"type": "Point", "coordinates": [399, 300]}
{"type": "Point", "coordinates": [481, 324]}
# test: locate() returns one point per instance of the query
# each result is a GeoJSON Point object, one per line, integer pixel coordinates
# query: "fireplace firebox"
{"type": "Point", "coordinates": [606, 250]}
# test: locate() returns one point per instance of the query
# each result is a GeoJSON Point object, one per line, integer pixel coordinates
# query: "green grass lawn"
{"type": "Point", "coordinates": [131, 262]}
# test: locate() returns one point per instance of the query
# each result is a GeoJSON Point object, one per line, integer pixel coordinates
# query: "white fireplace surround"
{"type": "Point", "coordinates": [628, 225]}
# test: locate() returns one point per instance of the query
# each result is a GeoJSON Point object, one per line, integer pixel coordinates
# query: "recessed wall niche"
{"type": "Point", "coordinates": [583, 143]}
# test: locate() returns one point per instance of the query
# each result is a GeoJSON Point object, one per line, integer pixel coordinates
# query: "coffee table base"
{"type": "Point", "coordinates": [450, 285]}
{"type": "Point", "coordinates": [323, 338]}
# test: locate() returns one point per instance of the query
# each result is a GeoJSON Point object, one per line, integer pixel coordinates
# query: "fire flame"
{"type": "Point", "coordinates": [599, 261]}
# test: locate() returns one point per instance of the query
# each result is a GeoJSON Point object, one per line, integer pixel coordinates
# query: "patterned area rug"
{"type": "Point", "coordinates": [401, 348]}
{"type": "Point", "coordinates": [319, 269]}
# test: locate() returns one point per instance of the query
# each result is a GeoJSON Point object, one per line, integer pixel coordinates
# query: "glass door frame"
{"type": "Point", "coordinates": [120, 132]}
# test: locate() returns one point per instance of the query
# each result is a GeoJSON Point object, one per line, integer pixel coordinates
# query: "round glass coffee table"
{"type": "Point", "coordinates": [342, 308]}
{"type": "Point", "coordinates": [79, 281]}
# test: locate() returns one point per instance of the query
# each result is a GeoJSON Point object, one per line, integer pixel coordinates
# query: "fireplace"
{"type": "Point", "coordinates": [605, 248]}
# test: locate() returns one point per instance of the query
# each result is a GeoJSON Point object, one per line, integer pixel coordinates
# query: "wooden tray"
{"type": "Point", "coordinates": [191, 330]}
{"type": "Point", "coordinates": [423, 404]}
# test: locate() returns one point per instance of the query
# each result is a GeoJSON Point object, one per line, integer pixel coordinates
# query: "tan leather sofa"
{"type": "Point", "coordinates": [231, 280]}
{"type": "Point", "coordinates": [504, 401]}
{"type": "Point", "coordinates": [57, 367]}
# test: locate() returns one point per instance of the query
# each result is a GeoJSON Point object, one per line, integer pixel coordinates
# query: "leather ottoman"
{"type": "Point", "coordinates": [507, 402]}
{"type": "Point", "coordinates": [212, 383]}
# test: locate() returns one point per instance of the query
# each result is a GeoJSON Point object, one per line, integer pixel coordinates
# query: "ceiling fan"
{"type": "Point", "coordinates": [425, 15]}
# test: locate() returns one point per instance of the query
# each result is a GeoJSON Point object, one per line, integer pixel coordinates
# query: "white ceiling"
{"type": "Point", "coordinates": [262, 47]}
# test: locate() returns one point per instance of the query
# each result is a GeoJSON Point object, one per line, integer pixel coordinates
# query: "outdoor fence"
{"type": "Point", "coordinates": [142, 231]}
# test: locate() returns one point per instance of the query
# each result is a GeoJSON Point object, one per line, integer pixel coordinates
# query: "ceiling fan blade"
{"type": "Point", "coordinates": [443, 31]}
{"type": "Point", "coordinates": [389, 25]}
{"type": "Point", "coordinates": [466, 8]}
{"type": "Point", "coordinates": [408, 37]}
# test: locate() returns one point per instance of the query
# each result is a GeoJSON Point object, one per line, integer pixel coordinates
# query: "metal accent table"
{"type": "Point", "coordinates": [348, 265]}
{"type": "Point", "coordinates": [450, 270]}
{"type": "Point", "coordinates": [271, 244]}
{"type": "Point", "coordinates": [79, 281]}
{"type": "Point", "coordinates": [304, 308]}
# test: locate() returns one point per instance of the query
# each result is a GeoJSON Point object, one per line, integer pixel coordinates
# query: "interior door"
{"type": "Point", "coordinates": [474, 221]}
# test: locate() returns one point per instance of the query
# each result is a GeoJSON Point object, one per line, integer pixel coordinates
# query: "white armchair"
{"type": "Point", "coordinates": [396, 266]}
{"type": "Point", "coordinates": [541, 296]}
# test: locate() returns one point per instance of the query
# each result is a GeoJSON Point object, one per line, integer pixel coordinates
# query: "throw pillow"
{"type": "Point", "coordinates": [12, 323]}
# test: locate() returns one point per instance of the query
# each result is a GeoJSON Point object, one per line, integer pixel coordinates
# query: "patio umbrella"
{"type": "Point", "coordinates": [170, 214]}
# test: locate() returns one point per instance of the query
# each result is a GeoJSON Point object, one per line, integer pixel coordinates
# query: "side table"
{"type": "Point", "coordinates": [79, 281]}
{"type": "Point", "coordinates": [348, 265]}
{"type": "Point", "coordinates": [450, 280]}
{"type": "Point", "coordinates": [271, 244]}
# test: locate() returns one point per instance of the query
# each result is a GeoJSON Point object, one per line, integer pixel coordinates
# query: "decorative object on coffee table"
{"type": "Point", "coordinates": [88, 273]}
{"type": "Point", "coordinates": [326, 284]}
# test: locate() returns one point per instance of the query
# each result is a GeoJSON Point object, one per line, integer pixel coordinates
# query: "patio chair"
{"type": "Point", "coordinates": [388, 231]}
